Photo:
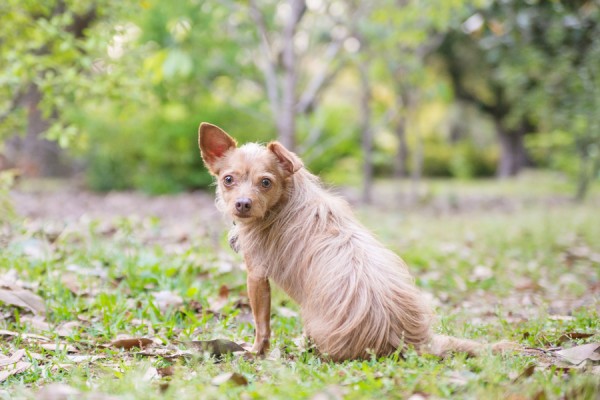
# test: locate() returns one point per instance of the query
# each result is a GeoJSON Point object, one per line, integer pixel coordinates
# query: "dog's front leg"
{"type": "Point", "coordinates": [259, 292]}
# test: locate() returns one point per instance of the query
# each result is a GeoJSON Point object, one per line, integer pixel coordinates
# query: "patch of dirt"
{"type": "Point", "coordinates": [68, 205]}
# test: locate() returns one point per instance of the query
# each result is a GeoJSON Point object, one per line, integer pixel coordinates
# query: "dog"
{"type": "Point", "coordinates": [357, 298]}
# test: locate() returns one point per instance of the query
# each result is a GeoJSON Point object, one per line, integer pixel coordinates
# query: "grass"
{"type": "Point", "coordinates": [528, 273]}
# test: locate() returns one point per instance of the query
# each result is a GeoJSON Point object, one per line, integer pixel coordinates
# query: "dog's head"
{"type": "Point", "coordinates": [251, 179]}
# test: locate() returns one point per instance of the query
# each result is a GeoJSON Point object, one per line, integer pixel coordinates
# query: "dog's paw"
{"type": "Point", "coordinates": [261, 347]}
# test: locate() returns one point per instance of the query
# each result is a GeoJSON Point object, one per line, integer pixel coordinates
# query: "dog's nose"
{"type": "Point", "coordinates": [243, 205]}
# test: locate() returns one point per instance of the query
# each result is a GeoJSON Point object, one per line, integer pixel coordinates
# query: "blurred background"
{"type": "Point", "coordinates": [110, 93]}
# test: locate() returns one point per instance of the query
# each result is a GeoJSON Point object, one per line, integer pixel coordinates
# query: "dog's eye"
{"type": "Point", "coordinates": [266, 183]}
{"type": "Point", "coordinates": [228, 180]}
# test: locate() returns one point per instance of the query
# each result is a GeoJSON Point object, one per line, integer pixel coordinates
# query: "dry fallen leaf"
{"type": "Point", "coordinates": [23, 335]}
{"type": "Point", "coordinates": [130, 343]}
{"type": "Point", "coordinates": [150, 375]}
{"type": "Point", "coordinates": [216, 347]}
{"type": "Point", "coordinates": [24, 299]}
{"type": "Point", "coordinates": [57, 391]}
{"type": "Point", "coordinates": [332, 392]}
{"type": "Point", "coordinates": [573, 335]}
{"type": "Point", "coordinates": [61, 347]}
{"type": "Point", "coordinates": [60, 391]}
{"type": "Point", "coordinates": [16, 357]}
{"type": "Point", "coordinates": [12, 365]}
{"type": "Point", "coordinates": [67, 328]}
{"type": "Point", "coordinates": [167, 354]}
{"type": "Point", "coordinates": [71, 282]}
{"type": "Point", "coordinates": [578, 354]}
{"type": "Point", "coordinates": [220, 302]}
{"type": "Point", "coordinates": [79, 358]}
{"type": "Point", "coordinates": [418, 396]}
{"type": "Point", "coordinates": [166, 299]}
{"type": "Point", "coordinates": [36, 322]}
{"type": "Point", "coordinates": [224, 291]}
{"type": "Point", "coordinates": [230, 377]}
{"type": "Point", "coordinates": [166, 371]}
{"type": "Point", "coordinates": [287, 312]}
{"type": "Point", "coordinates": [561, 318]}
{"type": "Point", "coordinates": [527, 372]}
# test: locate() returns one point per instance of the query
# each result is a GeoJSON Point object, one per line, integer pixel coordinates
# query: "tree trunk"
{"type": "Point", "coordinates": [588, 171]}
{"type": "Point", "coordinates": [513, 156]}
{"type": "Point", "coordinates": [367, 133]}
{"type": "Point", "coordinates": [32, 154]}
{"type": "Point", "coordinates": [286, 120]}
{"type": "Point", "coordinates": [400, 162]}
{"type": "Point", "coordinates": [417, 168]}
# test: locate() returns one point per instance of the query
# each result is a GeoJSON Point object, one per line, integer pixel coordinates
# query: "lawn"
{"type": "Point", "coordinates": [516, 261]}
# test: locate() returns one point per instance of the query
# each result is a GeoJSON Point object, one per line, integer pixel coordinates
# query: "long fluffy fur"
{"type": "Point", "coordinates": [357, 298]}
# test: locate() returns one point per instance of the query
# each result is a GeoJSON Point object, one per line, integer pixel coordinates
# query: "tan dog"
{"type": "Point", "coordinates": [356, 297]}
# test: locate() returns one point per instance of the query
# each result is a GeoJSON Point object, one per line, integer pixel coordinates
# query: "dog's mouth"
{"type": "Point", "coordinates": [242, 216]}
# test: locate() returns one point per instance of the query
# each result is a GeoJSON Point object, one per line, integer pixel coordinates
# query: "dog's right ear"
{"type": "Point", "coordinates": [213, 143]}
{"type": "Point", "coordinates": [289, 161]}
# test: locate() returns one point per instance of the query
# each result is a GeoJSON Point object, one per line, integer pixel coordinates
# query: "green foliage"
{"type": "Point", "coordinates": [156, 152]}
{"type": "Point", "coordinates": [458, 160]}
{"type": "Point", "coordinates": [534, 67]}
{"type": "Point", "coordinates": [554, 150]}
{"type": "Point", "coordinates": [55, 46]}
{"type": "Point", "coordinates": [125, 84]}
{"type": "Point", "coordinates": [191, 69]}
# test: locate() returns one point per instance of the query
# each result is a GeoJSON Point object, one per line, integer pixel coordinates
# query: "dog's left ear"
{"type": "Point", "coordinates": [213, 143]}
{"type": "Point", "coordinates": [289, 161]}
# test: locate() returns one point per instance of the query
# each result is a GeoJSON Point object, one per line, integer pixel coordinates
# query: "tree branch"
{"type": "Point", "coordinates": [268, 67]}
{"type": "Point", "coordinates": [324, 76]}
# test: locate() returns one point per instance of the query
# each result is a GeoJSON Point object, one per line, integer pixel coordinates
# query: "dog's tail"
{"type": "Point", "coordinates": [441, 345]}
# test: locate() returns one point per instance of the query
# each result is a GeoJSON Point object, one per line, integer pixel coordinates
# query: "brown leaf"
{"type": "Point", "coordinates": [24, 299]}
{"type": "Point", "coordinates": [195, 306]}
{"type": "Point", "coordinates": [230, 377]}
{"type": "Point", "coordinates": [216, 347]}
{"type": "Point", "coordinates": [541, 395]}
{"type": "Point", "coordinates": [527, 372]}
{"type": "Point", "coordinates": [578, 354]}
{"type": "Point", "coordinates": [224, 291]}
{"type": "Point", "coordinates": [166, 371]}
{"type": "Point", "coordinates": [572, 336]}
{"type": "Point", "coordinates": [130, 343]}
